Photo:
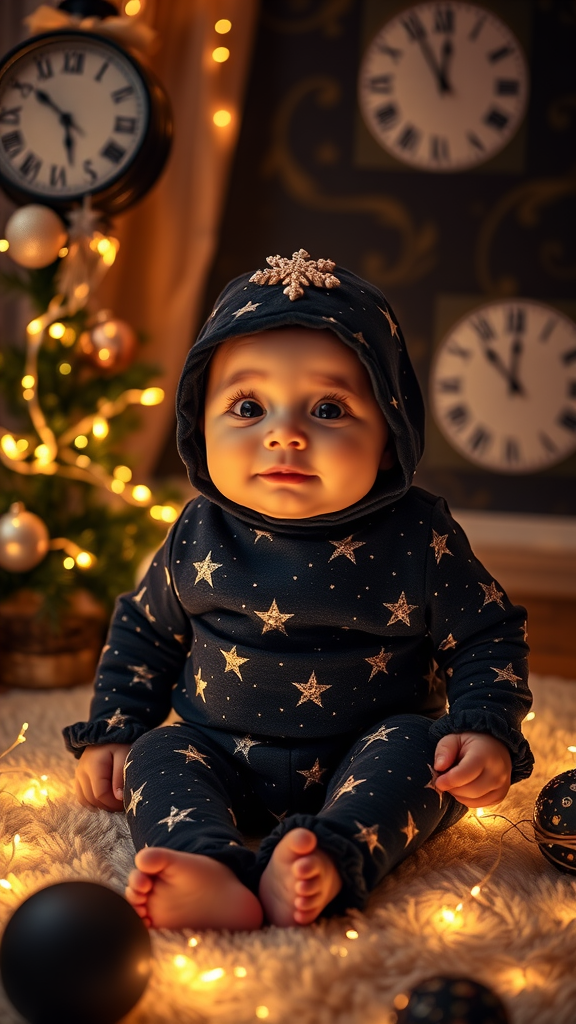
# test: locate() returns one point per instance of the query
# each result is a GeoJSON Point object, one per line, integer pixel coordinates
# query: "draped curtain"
{"type": "Point", "coordinates": [167, 241]}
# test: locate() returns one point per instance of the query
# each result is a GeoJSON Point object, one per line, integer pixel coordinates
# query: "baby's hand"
{"type": "Point", "coordinates": [99, 776]}
{"type": "Point", "coordinates": [481, 772]}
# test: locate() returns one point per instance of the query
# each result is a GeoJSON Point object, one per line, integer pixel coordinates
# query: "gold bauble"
{"type": "Point", "coordinates": [110, 344]}
{"type": "Point", "coordinates": [24, 539]}
{"type": "Point", "coordinates": [36, 234]}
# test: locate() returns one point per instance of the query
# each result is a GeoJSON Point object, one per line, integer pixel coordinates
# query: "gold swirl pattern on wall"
{"type": "Point", "coordinates": [527, 201]}
{"type": "Point", "coordinates": [417, 253]}
{"type": "Point", "coordinates": [326, 17]}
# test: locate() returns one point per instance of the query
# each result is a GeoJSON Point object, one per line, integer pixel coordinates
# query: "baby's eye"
{"type": "Point", "coordinates": [247, 408]}
{"type": "Point", "coordinates": [328, 411]}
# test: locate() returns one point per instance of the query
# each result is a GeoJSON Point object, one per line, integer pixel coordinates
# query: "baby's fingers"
{"type": "Point", "coordinates": [494, 796]}
{"type": "Point", "coordinates": [467, 771]}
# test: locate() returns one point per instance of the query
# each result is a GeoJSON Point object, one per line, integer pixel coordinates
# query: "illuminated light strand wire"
{"type": "Point", "coordinates": [541, 838]}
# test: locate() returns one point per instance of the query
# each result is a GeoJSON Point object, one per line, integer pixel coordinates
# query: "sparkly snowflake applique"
{"type": "Point", "coordinates": [298, 271]}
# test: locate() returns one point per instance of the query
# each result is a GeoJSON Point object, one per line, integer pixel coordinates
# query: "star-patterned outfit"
{"type": "Point", "coordinates": [313, 673]}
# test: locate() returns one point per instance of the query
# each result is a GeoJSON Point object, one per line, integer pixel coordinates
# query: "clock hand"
{"type": "Point", "coordinates": [494, 358]}
{"type": "Point", "coordinates": [447, 54]}
{"type": "Point", "coordinates": [66, 120]}
{"type": "Point", "coordinates": [515, 353]}
{"type": "Point", "coordinates": [69, 144]}
{"type": "Point", "coordinates": [443, 84]}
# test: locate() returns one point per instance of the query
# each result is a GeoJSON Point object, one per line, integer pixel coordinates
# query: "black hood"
{"type": "Point", "coordinates": [359, 315]}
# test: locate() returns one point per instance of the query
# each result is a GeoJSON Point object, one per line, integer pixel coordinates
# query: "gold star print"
{"type": "Point", "coordinates": [168, 580]}
{"type": "Point", "coordinates": [447, 643]}
{"type": "Point", "coordinates": [525, 630]}
{"type": "Point", "coordinates": [175, 816]}
{"type": "Point", "coordinates": [273, 618]}
{"type": "Point", "coordinates": [312, 690]}
{"type": "Point", "coordinates": [313, 774]}
{"type": "Point", "coordinates": [368, 834]}
{"type": "Point", "coordinates": [346, 787]}
{"type": "Point", "coordinates": [380, 734]}
{"type": "Point", "coordinates": [117, 719]}
{"type": "Point", "coordinates": [393, 327]}
{"type": "Point", "coordinates": [125, 769]}
{"type": "Point", "coordinates": [330, 319]}
{"type": "Point", "coordinates": [248, 308]}
{"type": "Point", "coordinates": [135, 798]}
{"type": "Point", "coordinates": [280, 817]}
{"type": "Point", "coordinates": [394, 402]}
{"type": "Point", "coordinates": [360, 337]}
{"type": "Point", "coordinates": [192, 754]}
{"type": "Point", "coordinates": [180, 638]}
{"type": "Point", "coordinates": [201, 684]}
{"type": "Point", "coordinates": [138, 600]}
{"type": "Point", "coordinates": [346, 547]}
{"type": "Point", "coordinates": [233, 816]}
{"type": "Point", "coordinates": [432, 783]}
{"type": "Point", "coordinates": [243, 746]}
{"type": "Point", "coordinates": [439, 545]}
{"type": "Point", "coordinates": [378, 662]}
{"type": "Point", "coordinates": [400, 610]}
{"type": "Point", "coordinates": [233, 661]}
{"type": "Point", "coordinates": [506, 675]}
{"type": "Point", "coordinates": [262, 533]}
{"type": "Point", "coordinates": [491, 593]}
{"type": "Point", "coordinates": [142, 675]}
{"type": "Point", "coordinates": [205, 569]}
{"type": "Point", "coordinates": [410, 830]}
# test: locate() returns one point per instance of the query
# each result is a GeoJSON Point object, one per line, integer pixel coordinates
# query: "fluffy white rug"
{"type": "Point", "coordinates": [518, 936]}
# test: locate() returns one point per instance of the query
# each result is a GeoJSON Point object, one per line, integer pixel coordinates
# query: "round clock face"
{"type": "Point", "coordinates": [503, 386]}
{"type": "Point", "coordinates": [73, 114]}
{"type": "Point", "coordinates": [443, 86]}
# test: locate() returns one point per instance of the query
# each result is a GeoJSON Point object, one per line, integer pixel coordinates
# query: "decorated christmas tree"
{"type": "Point", "coordinates": [72, 512]}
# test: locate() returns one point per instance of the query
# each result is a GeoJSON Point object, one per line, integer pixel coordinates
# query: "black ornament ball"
{"type": "Point", "coordinates": [453, 1001]}
{"type": "Point", "coordinates": [555, 814]}
{"type": "Point", "coordinates": [75, 951]}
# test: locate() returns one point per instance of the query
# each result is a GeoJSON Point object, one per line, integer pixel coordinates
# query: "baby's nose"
{"type": "Point", "coordinates": [286, 435]}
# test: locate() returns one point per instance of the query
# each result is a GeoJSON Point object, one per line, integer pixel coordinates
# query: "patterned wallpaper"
{"type": "Point", "coordinates": [308, 173]}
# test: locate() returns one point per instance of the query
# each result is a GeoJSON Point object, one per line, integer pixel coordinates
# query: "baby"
{"type": "Point", "coordinates": [306, 619]}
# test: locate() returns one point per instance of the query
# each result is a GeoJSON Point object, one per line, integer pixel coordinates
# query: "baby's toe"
{"type": "Point", "coordinates": [307, 887]}
{"type": "Point", "coordinates": [306, 867]}
{"type": "Point", "coordinates": [139, 882]}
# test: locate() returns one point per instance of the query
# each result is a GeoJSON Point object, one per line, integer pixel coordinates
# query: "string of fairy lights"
{"type": "Point", "coordinates": [38, 790]}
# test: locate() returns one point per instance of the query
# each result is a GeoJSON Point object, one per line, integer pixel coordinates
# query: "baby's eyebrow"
{"type": "Point", "coordinates": [326, 379]}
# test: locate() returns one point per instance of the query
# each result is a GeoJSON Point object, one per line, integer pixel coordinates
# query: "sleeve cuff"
{"type": "Point", "coordinates": [87, 734]}
{"type": "Point", "coordinates": [493, 725]}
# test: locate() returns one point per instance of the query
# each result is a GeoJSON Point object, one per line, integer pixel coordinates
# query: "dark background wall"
{"type": "Point", "coordinates": [308, 174]}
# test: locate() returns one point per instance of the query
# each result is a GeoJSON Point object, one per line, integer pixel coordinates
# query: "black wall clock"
{"type": "Point", "coordinates": [80, 115]}
{"type": "Point", "coordinates": [443, 86]}
{"type": "Point", "coordinates": [503, 386]}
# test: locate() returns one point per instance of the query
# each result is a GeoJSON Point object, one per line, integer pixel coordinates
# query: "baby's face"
{"type": "Point", "coordinates": [291, 423]}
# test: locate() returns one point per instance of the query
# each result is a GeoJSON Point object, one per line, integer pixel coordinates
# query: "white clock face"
{"type": "Point", "coordinates": [73, 112]}
{"type": "Point", "coordinates": [443, 86]}
{"type": "Point", "coordinates": [503, 386]}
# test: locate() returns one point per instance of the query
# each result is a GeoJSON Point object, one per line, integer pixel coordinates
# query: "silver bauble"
{"type": "Point", "coordinates": [110, 344]}
{"type": "Point", "coordinates": [24, 539]}
{"type": "Point", "coordinates": [36, 234]}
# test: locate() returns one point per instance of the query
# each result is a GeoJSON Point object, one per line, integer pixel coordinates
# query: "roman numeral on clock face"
{"type": "Point", "coordinates": [30, 167]}
{"type": "Point", "coordinates": [13, 143]}
{"type": "Point", "coordinates": [444, 19]}
{"type": "Point", "coordinates": [113, 152]}
{"type": "Point", "coordinates": [414, 28]}
{"type": "Point", "coordinates": [119, 95]}
{"type": "Point", "coordinates": [44, 66]}
{"type": "Point", "coordinates": [516, 321]}
{"type": "Point", "coordinates": [11, 116]}
{"type": "Point", "coordinates": [479, 440]}
{"type": "Point", "coordinates": [381, 84]}
{"type": "Point", "coordinates": [73, 62]}
{"type": "Point", "coordinates": [57, 176]}
{"type": "Point", "coordinates": [449, 385]}
{"type": "Point", "coordinates": [127, 125]}
{"type": "Point", "coordinates": [496, 119]}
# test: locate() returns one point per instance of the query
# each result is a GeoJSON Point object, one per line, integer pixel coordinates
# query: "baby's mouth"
{"type": "Point", "coordinates": [286, 475]}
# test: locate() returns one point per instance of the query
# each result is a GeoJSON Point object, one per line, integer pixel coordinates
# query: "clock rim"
{"type": "Point", "coordinates": [145, 164]}
{"type": "Point", "coordinates": [460, 168]}
{"type": "Point", "coordinates": [508, 470]}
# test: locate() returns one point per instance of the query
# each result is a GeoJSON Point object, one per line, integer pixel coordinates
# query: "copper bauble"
{"type": "Point", "coordinates": [24, 539]}
{"type": "Point", "coordinates": [110, 344]}
{"type": "Point", "coordinates": [36, 234]}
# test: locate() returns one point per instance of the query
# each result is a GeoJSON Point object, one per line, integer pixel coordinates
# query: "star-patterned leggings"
{"type": "Point", "coordinates": [370, 799]}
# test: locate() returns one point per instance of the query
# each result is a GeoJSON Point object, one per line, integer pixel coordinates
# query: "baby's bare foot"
{"type": "Point", "coordinates": [171, 889]}
{"type": "Point", "coordinates": [299, 880]}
